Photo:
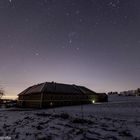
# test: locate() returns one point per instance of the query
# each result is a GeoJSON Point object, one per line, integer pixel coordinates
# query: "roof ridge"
{"type": "Point", "coordinates": [78, 88]}
{"type": "Point", "coordinates": [24, 92]}
{"type": "Point", "coordinates": [54, 85]}
{"type": "Point", "coordinates": [43, 87]}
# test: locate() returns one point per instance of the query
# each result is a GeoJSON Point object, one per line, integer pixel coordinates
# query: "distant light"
{"type": "Point", "coordinates": [93, 101]}
{"type": "Point", "coordinates": [51, 103]}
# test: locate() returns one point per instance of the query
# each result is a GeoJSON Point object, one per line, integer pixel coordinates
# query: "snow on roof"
{"type": "Point", "coordinates": [57, 88]}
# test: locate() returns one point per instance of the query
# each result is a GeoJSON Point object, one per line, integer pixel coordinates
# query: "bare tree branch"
{"type": "Point", "coordinates": [1, 93]}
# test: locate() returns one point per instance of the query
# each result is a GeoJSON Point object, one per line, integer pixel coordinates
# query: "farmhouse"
{"type": "Point", "coordinates": [50, 94]}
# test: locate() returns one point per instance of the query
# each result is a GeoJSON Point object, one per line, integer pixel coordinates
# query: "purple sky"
{"type": "Point", "coordinates": [95, 43]}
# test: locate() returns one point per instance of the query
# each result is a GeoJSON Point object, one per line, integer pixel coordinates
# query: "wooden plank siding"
{"type": "Point", "coordinates": [52, 94]}
{"type": "Point", "coordinates": [50, 100]}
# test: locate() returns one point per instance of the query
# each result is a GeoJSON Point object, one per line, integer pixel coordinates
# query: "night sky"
{"type": "Point", "coordinates": [95, 43]}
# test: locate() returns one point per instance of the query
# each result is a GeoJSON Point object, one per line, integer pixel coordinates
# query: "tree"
{"type": "Point", "coordinates": [1, 93]}
{"type": "Point", "coordinates": [138, 90]}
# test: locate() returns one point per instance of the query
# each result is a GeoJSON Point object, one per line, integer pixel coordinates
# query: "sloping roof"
{"type": "Point", "coordinates": [57, 88]}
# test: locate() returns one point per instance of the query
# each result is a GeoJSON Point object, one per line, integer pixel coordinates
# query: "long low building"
{"type": "Point", "coordinates": [51, 94]}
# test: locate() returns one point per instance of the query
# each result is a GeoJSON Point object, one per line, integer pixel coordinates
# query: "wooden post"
{"type": "Point", "coordinates": [82, 113]}
{"type": "Point", "coordinates": [41, 97]}
{"type": "Point", "coordinates": [41, 100]}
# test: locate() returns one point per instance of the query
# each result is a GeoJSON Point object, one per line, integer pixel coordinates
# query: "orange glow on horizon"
{"type": "Point", "coordinates": [9, 97]}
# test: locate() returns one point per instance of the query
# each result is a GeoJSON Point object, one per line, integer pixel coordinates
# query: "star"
{"type": "Point", "coordinates": [63, 47]}
{"type": "Point", "coordinates": [125, 17]}
{"type": "Point", "coordinates": [11, 47]}
{"type": "Point", "coordinates": [80, 20]}
{"type": "Point", "coordinates": [26, 19]}
{"type": "Point", "coordinates": [67, 14]}
{"type": "Point", "coordinates": [77, 49]}
{"type": "Point", "coordinates": [114, 4]}
{"type": "Point", "coordinates": [70, 41]}
{"type": "Point", "coordinates": [37, 54]}
{"type": "Point", "coordinates": [77, 12]}
{"type": "Point", "coordinates": [72, 34]}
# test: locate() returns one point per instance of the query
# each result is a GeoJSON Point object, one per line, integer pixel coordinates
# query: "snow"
{"type": "Point", "coordinates": [119, 119]}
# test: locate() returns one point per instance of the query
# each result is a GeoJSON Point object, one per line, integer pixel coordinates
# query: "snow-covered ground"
{"type": "Point", "coordinates": [119, 119]}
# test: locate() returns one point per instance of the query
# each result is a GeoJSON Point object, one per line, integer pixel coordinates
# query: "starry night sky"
{"type": "Point", "coordinates": [95, 43]}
